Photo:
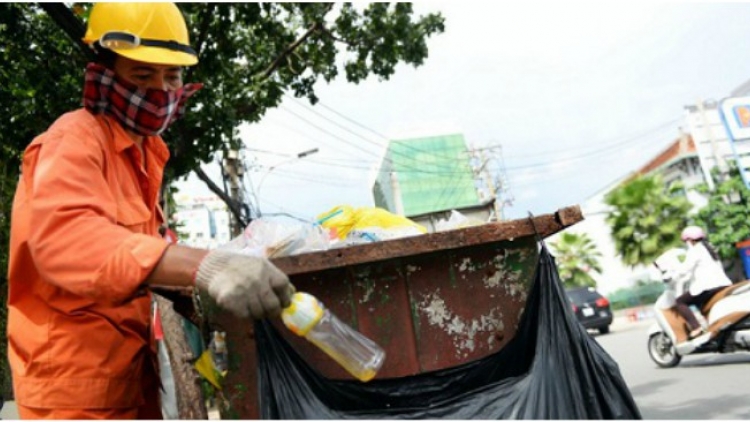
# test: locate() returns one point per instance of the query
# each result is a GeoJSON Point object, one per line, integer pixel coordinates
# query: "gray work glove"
{"type": "Point", "coordinates": [243, 284]}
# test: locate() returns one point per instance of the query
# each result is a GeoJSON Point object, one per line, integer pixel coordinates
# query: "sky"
{"type": "Point", "coordinates": [575, 94]}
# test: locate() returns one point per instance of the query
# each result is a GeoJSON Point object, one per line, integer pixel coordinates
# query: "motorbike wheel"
{"type": "Point", "coordinates": [662, 351]}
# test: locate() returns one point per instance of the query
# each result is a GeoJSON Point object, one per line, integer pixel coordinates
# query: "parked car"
{"type": "Point", "coordinates": [591, 308]}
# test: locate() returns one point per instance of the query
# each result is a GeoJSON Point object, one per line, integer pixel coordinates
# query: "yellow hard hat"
{"type": "Point", "coordinates": [147, 32]}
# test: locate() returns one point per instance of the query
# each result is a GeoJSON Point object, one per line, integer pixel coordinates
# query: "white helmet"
{"type": "Point", "coordinates": [692, 233]}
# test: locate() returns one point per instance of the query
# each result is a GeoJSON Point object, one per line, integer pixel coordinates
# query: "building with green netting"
{"type": "Point", "coordinates": [425, 178]}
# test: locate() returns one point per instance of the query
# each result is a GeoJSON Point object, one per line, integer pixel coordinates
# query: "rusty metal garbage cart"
{"type": "Point", "coordinates": [431, 301]}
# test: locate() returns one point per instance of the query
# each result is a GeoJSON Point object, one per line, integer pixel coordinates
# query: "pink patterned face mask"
{"type": "Point", "coordinates": [143, 111]}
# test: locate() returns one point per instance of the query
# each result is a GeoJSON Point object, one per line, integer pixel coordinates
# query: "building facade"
{"type": "Point", "coordinates": [689, 159]}
{"type": "Point", "coordinates": [425, 178]}
{"type": "Point", "coordinates": [202, 222]}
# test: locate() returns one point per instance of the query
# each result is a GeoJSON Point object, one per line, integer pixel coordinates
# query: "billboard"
{"type": "Point", "coordinates": [735, 115]}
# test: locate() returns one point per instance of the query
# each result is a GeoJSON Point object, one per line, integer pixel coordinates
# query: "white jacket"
{"type": "Point", "coordinates": [701, 271]}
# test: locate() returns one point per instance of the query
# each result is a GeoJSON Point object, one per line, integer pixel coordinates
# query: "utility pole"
{"type": "Point", "coordinates": [233, 171]}
{"type": "Point", "coordinates": [490, 184]}
{"type": "Point", "coordinates": [494, 185]}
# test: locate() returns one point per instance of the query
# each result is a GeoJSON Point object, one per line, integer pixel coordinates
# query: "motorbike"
{"type": "Point", "coordinates": [725, 319]}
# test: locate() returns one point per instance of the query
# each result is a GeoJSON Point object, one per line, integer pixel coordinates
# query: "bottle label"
{"type": "Point", "coordinates": [304, 312]}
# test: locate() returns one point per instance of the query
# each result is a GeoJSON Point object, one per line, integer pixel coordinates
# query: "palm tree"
{"type": "Point", "coordinates": [576, 256]}
{"type": "Point", "coordinates": [646, 218]}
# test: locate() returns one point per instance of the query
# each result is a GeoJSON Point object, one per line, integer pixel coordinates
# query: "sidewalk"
{"type": "Point", "coordinates": [9, 411]}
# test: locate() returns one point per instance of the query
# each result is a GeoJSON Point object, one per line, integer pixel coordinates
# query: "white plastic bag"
{"type": "Point", "coordinates": [456, 221]}
{"type": "Point", "coordinates": [272, 238]}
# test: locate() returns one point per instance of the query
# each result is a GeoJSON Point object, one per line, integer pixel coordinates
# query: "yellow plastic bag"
{"type": "Point", "coordinates": [205, 366]}
{"type": "Point", "coordinates": [368, 224]}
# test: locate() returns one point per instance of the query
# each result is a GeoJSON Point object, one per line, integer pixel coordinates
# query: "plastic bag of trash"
{"type": "Point", "coordinates": [456, 221]}
{"type": "Point", "coordinates": [551, 369]}
{"type": "Point", "coordinates": [273, 238]}
{"type": "Point", "coordinates": [367, 224]}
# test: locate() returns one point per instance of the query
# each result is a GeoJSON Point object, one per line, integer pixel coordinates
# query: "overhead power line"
{"type": "Point", "coordinates": [402, 166]}
{"type": "Point", "coordinates": [615, 141]}
{"type": "Point", "coordinates": [601, 150]}
{"type": "Point", "coordinates": [406, 145]}
{"type": "Point", "coordinates": [607, 149]}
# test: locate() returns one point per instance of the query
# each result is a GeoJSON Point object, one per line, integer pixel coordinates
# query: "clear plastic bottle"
{"type": "Point", "coordinates": [307, 317]}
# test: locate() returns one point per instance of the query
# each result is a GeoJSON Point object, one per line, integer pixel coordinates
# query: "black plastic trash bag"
{"type": "Point", "coordinates": [551, 369]}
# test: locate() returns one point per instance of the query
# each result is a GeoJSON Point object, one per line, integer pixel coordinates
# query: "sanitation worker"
{"type": "Point", "coordinates": [85, 248]}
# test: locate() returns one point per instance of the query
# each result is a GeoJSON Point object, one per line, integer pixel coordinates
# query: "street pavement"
{"type": "Point", "coordinates": [629, 319]}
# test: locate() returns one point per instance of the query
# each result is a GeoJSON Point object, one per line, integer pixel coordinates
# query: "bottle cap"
{"type": "Point", "coordinates": [304, 312]}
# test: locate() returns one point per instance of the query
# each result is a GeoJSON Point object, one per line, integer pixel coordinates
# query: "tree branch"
{"type": "Point", "coordinates": [293, 46]}
{"type": "Point", "coordinates": [324, 29]}
{"type": "Point", "coordinates": [249, 109]}
{"type": "Point", "coordinates": [205, 21]}
{"type": "Point", "coordinates": [287, 51]}
{"type": "Point", "coordinates": [234, 207]}
{"type": "Point", "coordinates": [69, 23]}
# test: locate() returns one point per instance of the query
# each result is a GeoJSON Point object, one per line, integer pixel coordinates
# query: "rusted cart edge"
{"type": "Point", "coordinates": [544, 225]}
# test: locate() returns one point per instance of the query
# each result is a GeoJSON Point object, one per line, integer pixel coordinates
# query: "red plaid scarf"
{"type": "Point", "coordinates": [143, 111]}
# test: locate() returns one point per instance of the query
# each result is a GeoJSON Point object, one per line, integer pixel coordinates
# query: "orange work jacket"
{"type": "Point", "coordinates": [83, 239]}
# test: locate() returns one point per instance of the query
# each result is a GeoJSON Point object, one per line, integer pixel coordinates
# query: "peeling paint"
{"type": "Point", "coordinates": [436, 311]}
{"type": "Point", "coordinates": [494, 280]}
{"type": "Point", "coordinates": [369, 289]}
{"type": "Point", "coordinates": [503, 272]}
{"type": "Point", "coordinates": [517, 289]}
{"type": "Point", "coordinates": [465, 265]}
{"type": "Point", "coordinates": [465, 333]}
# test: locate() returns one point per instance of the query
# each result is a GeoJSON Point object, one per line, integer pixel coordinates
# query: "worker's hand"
{"type": "Point", "coordinates": [245, 285]}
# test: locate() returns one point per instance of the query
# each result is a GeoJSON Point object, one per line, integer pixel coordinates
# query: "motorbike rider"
{"type": "Point", "coordinates": [703, 274]}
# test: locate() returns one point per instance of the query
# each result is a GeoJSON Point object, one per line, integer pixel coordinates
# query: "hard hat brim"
{"type": "Point", "coordinates": [157, 55]}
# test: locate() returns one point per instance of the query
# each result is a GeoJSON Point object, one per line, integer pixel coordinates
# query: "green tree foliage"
{"type": "Point", "coordinates": [251, 56]}
{"type": "Point", "coordinates": [726, 217]}
{"type": "Point", "coordinates": [576, 256]}
{"type": "Point", "coordinates": [646, 218]}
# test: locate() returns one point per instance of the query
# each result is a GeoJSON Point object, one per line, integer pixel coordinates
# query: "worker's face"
{"type": "Point", "coordinates": [148, 75]}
